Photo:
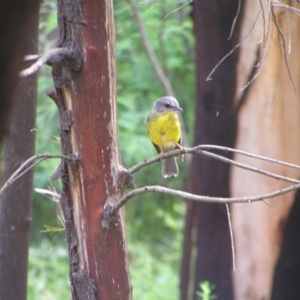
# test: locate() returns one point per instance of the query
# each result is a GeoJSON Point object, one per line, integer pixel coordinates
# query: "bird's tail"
{"type": "Point", "coordinates": [169, 167]}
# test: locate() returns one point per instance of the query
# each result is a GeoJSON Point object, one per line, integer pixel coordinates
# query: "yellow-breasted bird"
{"type": "Point", "coordinates": [164, 131]}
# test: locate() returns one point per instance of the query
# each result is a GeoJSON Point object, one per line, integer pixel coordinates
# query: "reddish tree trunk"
{"type": "Point", "coordinates": [87, 101]}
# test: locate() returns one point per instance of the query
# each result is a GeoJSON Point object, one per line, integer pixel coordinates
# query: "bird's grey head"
{"type": "Point", "coordinates": [166, 104]}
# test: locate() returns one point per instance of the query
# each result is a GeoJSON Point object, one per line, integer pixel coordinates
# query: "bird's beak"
{"type": "Point", "coordinates": [179, 108]}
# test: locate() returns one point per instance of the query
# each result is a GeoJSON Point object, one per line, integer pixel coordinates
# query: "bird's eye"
{"type": "Point", "coordinates": [168, 105]}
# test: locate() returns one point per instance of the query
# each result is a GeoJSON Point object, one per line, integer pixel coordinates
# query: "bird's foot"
{"type": "Point", "coordinates": [185, 149]}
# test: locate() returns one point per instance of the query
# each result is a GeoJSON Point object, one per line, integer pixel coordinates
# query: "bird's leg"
{"type": "Point", "coordinates": [160, 155]}
{"type": "Point", "coordinates": [182, 148]}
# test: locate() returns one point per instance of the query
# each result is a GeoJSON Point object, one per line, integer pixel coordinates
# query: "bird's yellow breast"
{"type": "Point", "coordinates": [164, 130]}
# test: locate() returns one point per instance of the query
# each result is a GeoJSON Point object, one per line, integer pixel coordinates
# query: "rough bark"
{"type": "Point", "coordinates": [269, 125]}
{"type": "Point", "coordinates": [15, 19]}
{"type": "Point", "coordinates": [187, 271]}
{"type": "Point", "coordinates": [87, 102]}
{"type": "Point", "coordinates": [16, 201]}
{"type": "Point", "coordinates": [215, 124]}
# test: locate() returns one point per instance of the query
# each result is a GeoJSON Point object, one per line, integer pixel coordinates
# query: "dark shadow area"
{"type": "Point", "coordinates": [286, 282]}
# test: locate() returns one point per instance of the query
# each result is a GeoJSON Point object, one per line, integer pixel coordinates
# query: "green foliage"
{"type": "Point", "coordinates": [48, 272]}
{"type": "Point", "coordinates": [138, 86]}
{"type": "Point", "coordinates": [206, 291]}
{"type": "Point", "coordinates": [47, 141]}
{"type": "Point", "coordinates": [150, 278]}
{"type": "Point", "coordinates": [155, 220]}
{"type": "Point", "coordinates": [47, 126]}
{"type": "Point", "coordinates": [47, 26]}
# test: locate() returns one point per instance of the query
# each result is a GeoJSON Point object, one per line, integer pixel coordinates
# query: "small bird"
{"type": "Point", "coordinates": [164, 131]}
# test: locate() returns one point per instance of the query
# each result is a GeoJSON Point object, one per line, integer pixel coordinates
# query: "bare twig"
{"type": "Point", "coordinates": [178, 8]}
{"type": "Point", "coordinates": [231, 51]}
{"type": "Point", "coordinates": [146, 42]}
{"type": "Point", "coordinates": [227, 149]}
{"type": "Point", "coordinates": [264, 23]}
{"type": "Point", "coordinates": [264, 53]}
{"type": "Point", "coordinates": [29, 164]}
{"type": "Point", "coordinates": [231, 238]}
{"type": "Point", "coordinates": [198, 151]}
{"type": "Point", "coordinates": [281, 35]}
{"type": "Point", "coordinates": [246, 167]}
{"type": "Point", "coordinates": [235, 19]}
{"type": "Point", "coordinates": [289, 30]}
{"type": "Point", "coordinates": [54, 196]}
{"type": "Point", "coordinates": [44, 60]}
{"type": "Point", "coordinates": [185, 195]}
{"type": "Point", "coordinates": [31, 57]}
{"type": "Point", "coordinates": [282, 5]}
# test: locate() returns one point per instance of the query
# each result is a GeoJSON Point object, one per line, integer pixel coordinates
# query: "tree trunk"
{"type": "Point", "coordinates": [215, 124]}
{"type": "Point", "coordinates": [15, 19]}
{"type": "Point", "coordinates": [87, 103]}
{"type": "Point", "coordinates": [287, 272]}
{"type": "Point", "coordinates": [16, 205]}
{"type": "Point", "coordinates": [269, 125]}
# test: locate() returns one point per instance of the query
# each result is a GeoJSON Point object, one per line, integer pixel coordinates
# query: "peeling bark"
{"type": "Point", "coordinates": [269, 125]}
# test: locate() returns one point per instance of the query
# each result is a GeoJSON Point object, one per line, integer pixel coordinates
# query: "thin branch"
{"type": "Point", "coordinates": [146, 42]}
{"type": "Point", "coordinates": [198, 151]}
{"type": "Point", "coordinates": [227, 149]}
{"type": "Point", "coordinates": [289, 30]}
{"type": "Point", "coordinates": [281, 35]}
{"type": "Point", "coordinates": [235, 19]}
{"type": "Point", "coordinates": [186, 195]}
{"type": "Point", "coordinates": [231, 238]}
{"type": "Point", "coordinates": [264, 23]}
{"type": "Point", "coordinates": [29, 164]}
{"type": "Point", "coordinates": [44, 60]}
{"type": "Point", "coordinates": [111, 210]}
{"type": "Point", "coordinates": [246, 167]}
{"type": "Point", "coordinates": [264, 53]}
{"type": "Point", "coordinates": [230, 52]}
{"type": "Point", "coordinates": [258, 66]}
{"type": "Point", "coordinates": [282, 5]}
{"type": "Point", "coordinates": [178, 8]}
{"type": "Point", "coordinates": [31, 57]}
{"type": "Point", "coordinates": [55, 197]}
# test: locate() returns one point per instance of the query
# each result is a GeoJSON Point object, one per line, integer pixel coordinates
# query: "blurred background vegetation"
{"type": "Point", "coordinates": [154, 222]}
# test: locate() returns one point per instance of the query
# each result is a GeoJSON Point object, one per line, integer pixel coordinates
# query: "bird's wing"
{"type": "Point", "coordinates": [156, 147]}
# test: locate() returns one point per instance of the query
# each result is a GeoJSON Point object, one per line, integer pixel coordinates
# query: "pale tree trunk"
{"type": "Point", "coordinates": [87, 102]}
{"type": "Point", "coordinates": [269, 125]}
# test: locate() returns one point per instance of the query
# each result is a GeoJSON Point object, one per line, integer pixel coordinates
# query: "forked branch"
{"type": "Point", "coordinates": [45, 59]}
{"type": "Point", "coordinates": [29, 164]}
{"type": "Point", "coordinates": [111, 210]}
